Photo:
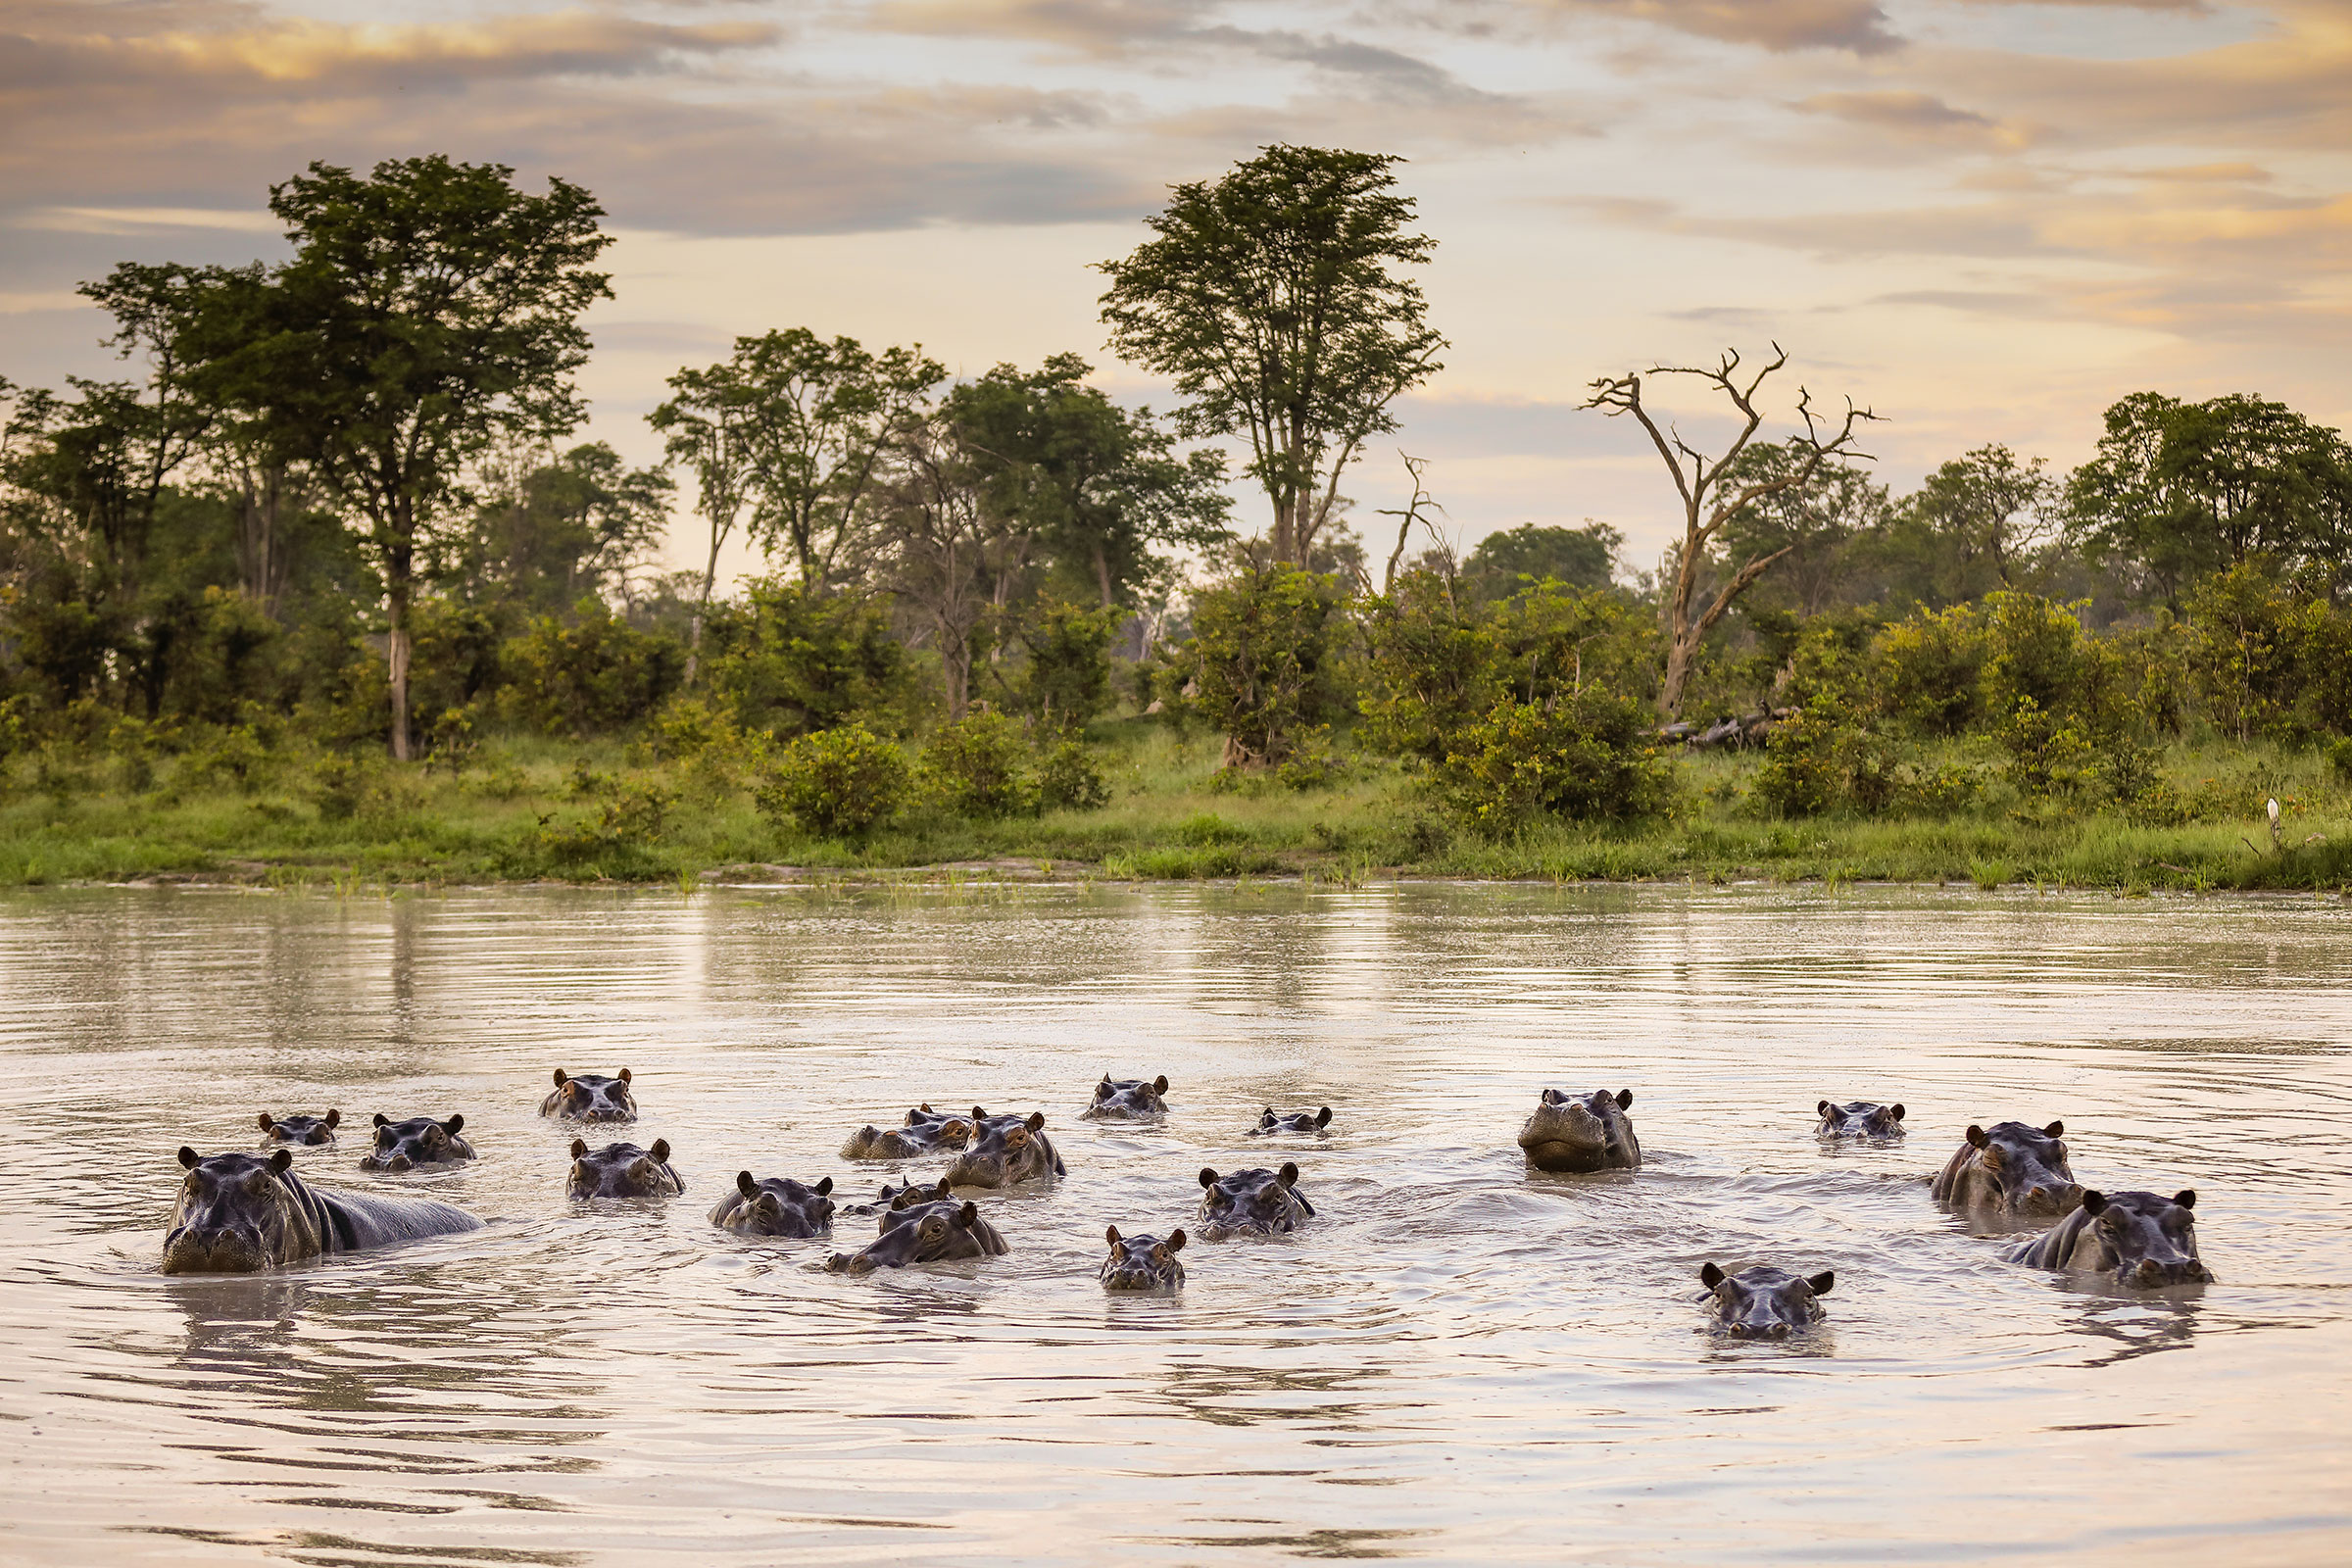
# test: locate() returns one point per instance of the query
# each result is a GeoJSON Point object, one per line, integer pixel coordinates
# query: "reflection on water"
{"type": "Point", "coordinates": [1454, 1359]}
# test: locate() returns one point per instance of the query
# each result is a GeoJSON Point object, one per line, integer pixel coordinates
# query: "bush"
{"type": "Point", "coordinates": [630, 819]}
{"type": "Point", "coordinates": [599, 674]}
{"type": "Point", "coordinates": [841, 783]}
{"type": "Point", "coordinates": [1068, 679]}
{"type": "Point", "coordinates": [1592, 756]}
{"type": "Point", "coordinates": [1929, 668]}
{"type": "Point", "coordinates": [794, 663]}
{"type": "Point", "coordinates": [1261, 659]}
{"type": "Point", "coordinates": [1823, 759]}
{"type": "Point", "coordinates": [978, 766]}
{"type": "Point", "coordinates": [1067, 779]}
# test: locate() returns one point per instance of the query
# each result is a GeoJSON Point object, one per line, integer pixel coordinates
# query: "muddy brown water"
{"type": "Point", "coordinates": [1457, 1362]}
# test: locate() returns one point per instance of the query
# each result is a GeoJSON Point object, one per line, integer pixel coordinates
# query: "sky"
{"type": "Point", "coordinates": [1985, 221]}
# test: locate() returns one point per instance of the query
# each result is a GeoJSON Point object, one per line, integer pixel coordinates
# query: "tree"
{"type": "Point", "coordinates": [1823, 525]}
{"type": "Point", "coordinates": [1261, 659]}
{"type": "Point", "coordinates": [705, 425]}
{"type": "Point", "coordinates": [1271, 299]}
{"type": "Point", "coordinates": [430, 309]}
{"type": "Point", "coordinates": [943, 551]}
{"type": "Point", "coordinates": [1582, 558]}
{"type": "Point", "coordinates": [1969, 527]}
{"type": "Point", "coordinates": [557, 527]}
{"type": "Point", "coordinates": [1711, 496]}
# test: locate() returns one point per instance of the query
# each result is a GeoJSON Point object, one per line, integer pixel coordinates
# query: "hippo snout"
{"type": "Point", "coordinates": [2051, 1198]}
{"type": "Point", "coordinates": [212, 1250]}
{"type": "Point", "coordinates": [1759, 1331]}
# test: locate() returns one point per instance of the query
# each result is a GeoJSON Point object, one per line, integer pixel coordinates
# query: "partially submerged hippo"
{"type": "Point", "coordinates": [419, 1140]}
{"type": "Point", "coordinates": [238, 1213]}
{"type": "Point", "coordinates": [891, 1197]}
{"type": "Point", "coordinates": [926, 1130]}
{"type": "Point", "coordinates": [591, 1096]}
{"type": "Point", "coordinates": [1859, 1118]}
{"type": "Point", "coordinates": [2010, 1169]}
{"type": "Point", "coordinates": [623, 1170]}
{"type": "Point", "coordinates": [1127, 1100]}
{"type": "Point", "coordinates": [1252, 1202]}
{"type": "Point", "coordinates": [1275, 1123]}
{"type": "Point", "coordinates": [2145, 1240]}
{"type": "Point", "coordinates": [1592, 1132]}
{"type": "Point", "coordinates": [777, 1206]}
{"type": "Point", "coordinates": [1764, 1303]}
{"type": "Point", "coordinates": [300, 1131]}
{"type": "Point", "coordinates": [1006, 1151]}
{"type": "Point", "coordinates": [924, 1233]}
{"type": "Point", "coordinates": [1143, 1262]}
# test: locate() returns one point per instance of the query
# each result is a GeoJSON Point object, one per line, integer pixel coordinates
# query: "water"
{"type": "Point", "coordinates": [1457, 1362]}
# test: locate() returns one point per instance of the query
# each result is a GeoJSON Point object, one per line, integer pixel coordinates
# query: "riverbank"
{"type": "Point", "coordinates": [527, 810]}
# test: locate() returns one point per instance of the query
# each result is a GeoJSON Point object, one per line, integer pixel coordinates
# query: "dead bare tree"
{"type": "Point", "coordinates": [1406, 516]}
{"type": "Point", "coordinates": [1697, 477]}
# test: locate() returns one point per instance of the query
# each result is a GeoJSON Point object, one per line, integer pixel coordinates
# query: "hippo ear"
{"type": "Point", "coordinates": [1624, 1100]}
{"type": "Point", "coordinates": [382, 1120]}
{"type": "Point", "coordinates": [622, 1075]}
{"type": "Point", "coordinates": [1822, 1281]}
{"type": "Point", "coordinates": [1289, 1174]}
{"type": "Point", "coordinates": [745, 1185]}
{"type": "Point", "coordinates": [1976, 1135]}
{"type": "Point", "coordinates": [189, 1158]}
{"type": "Point", "coordinates": [1895, 1110]}
{"type": "Point", "coordinates": [944, 1188]}
{"type": "Point", "coordinates": [1037, 1120]}
{"type": "Point", "coordinates": [969, 1215]}
{"type": "Point", "coordinates": [1821, 1110]}
{"type": "Point", "coordinates": [281, 1163]}
{"type": "Point", "coordinates": [334, 1117]}
{"type": "Point", "coordinates": [580, 1147]}
{"type": "Point", "coordinates": [1208, 1178]}
{"type": "Point", "coordinates": [456, 1122]}
{"type": "Point", "coordinates": [561, 1078]}
{"type": "Point", "coordinates": [1175, 1243]}
{"type": "Point", "coordinates": [1112, 1236]}
{"type": "Point", "coordinates": [1159, 1085]}
{"type": "Point", "coordinates": [661, 1150]}
{"type": "Point", "coordinates": [1709, 1275]}
{"type": "Point", "coordinates": [2186, 1198]}
{"type": "Point", "coordinates": [1102, 1089]}
{"type": "Point", "coordinates": [979, 1113]}
{"type": "Point", "coordinates": [926, 1107]}
{"type": "Point", "coordinates": [1323, 1117]}
{"type": "Point", "coordinates": [825, 1187]}
{"type": "Point", "coordinates": [2094, 1202]}
{"type": "Point", "coordinates": [2056, 1129]}
{"type": "Point", "coordinates": [267, 1123]}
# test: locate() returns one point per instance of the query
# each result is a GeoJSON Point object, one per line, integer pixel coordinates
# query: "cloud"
{"type": "Point", "coordinates": [1857, 26]}
{"type": "Point", "coordinates": [1909, 115]}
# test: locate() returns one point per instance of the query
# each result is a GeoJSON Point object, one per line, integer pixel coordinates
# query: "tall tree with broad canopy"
{"type": "Point", "coordinates": [706, 427]}
{"type": "Point", "coordinates": [1711, 494]}
{"type": "Point", "coordinates": [431, 308]}
{"type": "Point", "coordinates": [1274, 300]}
{"type": "Point", "coordinates": [1823, 526]}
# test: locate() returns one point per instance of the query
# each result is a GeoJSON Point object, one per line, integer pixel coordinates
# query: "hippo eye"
{"type": "Point", "coordinates": [2058, 1149]}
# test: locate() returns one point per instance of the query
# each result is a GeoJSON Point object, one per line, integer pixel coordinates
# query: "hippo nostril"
{"type": "Point", "coordinates": [1780, 1331]}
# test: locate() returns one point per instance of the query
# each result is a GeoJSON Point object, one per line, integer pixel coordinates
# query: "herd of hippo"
{"type": "Point", "coordinates": [240, 1212]}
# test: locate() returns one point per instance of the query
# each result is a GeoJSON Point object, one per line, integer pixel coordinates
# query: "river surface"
{"type": "Point", "coordinates": [1457, 1361]}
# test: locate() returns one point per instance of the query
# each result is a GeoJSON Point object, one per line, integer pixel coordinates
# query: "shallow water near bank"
{"type": "Point", "coordinates": [1456, 1360]}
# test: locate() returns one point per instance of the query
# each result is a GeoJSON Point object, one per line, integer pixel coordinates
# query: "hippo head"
{"type": "Point", "coordinates": [1859, 1118]}
{"type": "Point", "coordinates": [419, 1140]}
{"type": "Point", "coordinates": [1295, 1121]}
{"type": "Point", "coordinates": [777, 1206]}
{"type": "Point", "coordinates": [1764, 1303]}
{"type": "Point", "coordinates": [925, 1130]}
{"type": "Point", "coordinates": [1127, 1100]}
{"type": "Point", "coordinates": [891, 1197]}
{"type": "Point", "coordinates": [923, 1233]}
{"type": "Point", "coordinates": [2147, 1239]}
{"type": "Point", "coordinates": [2012, 1168]}
{"type": "Point", "coordinates": [1006, 1151]}
{"type": "Point", "coordinates": [1586, 1133]}
{"type": "Point", "coordinates": [300, 1131]}
{"type": "Point", "coordinates": [234, 1215]}
{"type": "Point", "coordinates": [591, 1096]}
{"type": "Point", "coordinates": [1143, 1262]}
{"type": "Point", "coordinates": [623, 1170]}
{"type": "Point", "coordinates": [1252, 1202]}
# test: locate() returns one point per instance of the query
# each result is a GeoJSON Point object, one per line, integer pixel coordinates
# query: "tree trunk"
{"type": "Point", "coordinates": [1103, 574]}
{"type": "Point", "coordinates": [693, 629]}
{"type": "Point", "coordinates": [399, 666]}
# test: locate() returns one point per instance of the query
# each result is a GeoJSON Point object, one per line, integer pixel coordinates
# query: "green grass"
{"type": "Point", "coordinates": [516, 817]}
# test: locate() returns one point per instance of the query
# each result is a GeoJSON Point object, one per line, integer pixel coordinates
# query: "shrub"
{"type": "Point", "coordinates": [1823, 759]}
{"type": "Point", "coordinates": [599, 674]}
{"type": "Point", "coordinates": [1929, 668]}
{"type": "Point", "coordinates": [630, 818]}
{"type": "Point", "coordinates": [1068, 679]}
{"type": "Point", "coordinates": [843, 782]}
{"type": "Point", "coordinates": [1261, 659]}
{"type": "Point", "coordinates": [2341, 755]}
{"type": "Point", "coordinates": [1590, 756]}
{"type": "Point", "coordinates": [1434, 667]}
{"type": "Point", "coordinates": [1067, 779]}
{"type": "Point", "coordinates": [2035, 650]}
{"type": "Point", "coordinates": [794, 663]}
{"type": "Point", "coordinates": [979, 766]}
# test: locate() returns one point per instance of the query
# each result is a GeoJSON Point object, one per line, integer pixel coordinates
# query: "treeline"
{"type": "Point", "coordinates": [337, 509]}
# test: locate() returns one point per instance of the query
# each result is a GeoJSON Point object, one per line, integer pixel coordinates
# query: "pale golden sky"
{"type": "Point", "coordinates": [1986, 220]}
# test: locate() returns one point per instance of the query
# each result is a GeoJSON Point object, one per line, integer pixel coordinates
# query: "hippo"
{"type": "Point", "coordinates": [1590, 1134]}
{"type": "Point", "coordinates": [2143, 1238]}
{"type": "Point", "coordinates": [623, 1170]}
{"type": "Point", "coordinates": [1764, 1303]}
{"type": "Point", "coordinates": [1143, 1262]}
{"type": "Point", "coordinates": [1127, 1100]}
{"type": "Point", "coordinates": [925, 1130]}
{"type": "Point", "coordinates": [591, 1096]}
{"type": "Point", "coordinates": [300, 1131]}
{"type": "Point", "coordinates": [1274, 1123]}
{"type": "Point", "coordinates": [1006, 1151]}
{"type": "Point", "coordinates": [1859, 1118]}
{"type": "Point", "coordinates": [2010, 1169]}
{"type": "Point", "coordinates": [777, 1206]}
{"type": "Point", "coordinates": [924, 1233]}
{"type": "Point", "coordinates": [1252, 1202]}
{"type": "Point", "coordinates": [241, 1213]}
{"type": "Point", "coordinates": [894, 1197]}
{"type": "Point", "coordinates": [419, 1140]}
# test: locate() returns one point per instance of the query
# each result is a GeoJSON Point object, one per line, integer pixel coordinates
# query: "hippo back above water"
{"type": "Point", "coordinates": [1252, 1203]}
{"type": "Point", "coordinates": [1764, 1303]}
{"type": "Point", "coordinates": [417, 1143]}
{"type": "Point", "coordinates": [2010, 1170]}
{"type": "Point", "coordinates": [1273, 1122]}
{"type": "Point", "coordinates": [924, 1233]}
{"type": "Point", "coordinates": [1143, 1262]}
{"type": "Point", "coordinates": [1581, 1133]}
{"type": "Point", "coordinates": [623, 1170]}
{"type": "Point", "coordinates": [300, 1131]}
{"type": "Point", "coordinates": [591, 1096]}
{"type": "Point", "coordinates": [239, 1213]}
{"type": "Point", "coordinates": [1127, 1100]}
{"type": "Point", "coordinates": [1004, 1151]}
{"type": "Point", "coordinates": [2145, 1240]}
{"type": "Point", "coordinates": [1859, 1118]}
{"type": "Point", "coordinates": [777, 1206]}
{"type": "Point", "coordinates": [926, 1130]}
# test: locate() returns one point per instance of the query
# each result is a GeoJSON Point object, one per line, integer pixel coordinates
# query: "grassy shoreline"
{"type": "Point", "coordinates": [533, 810]}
